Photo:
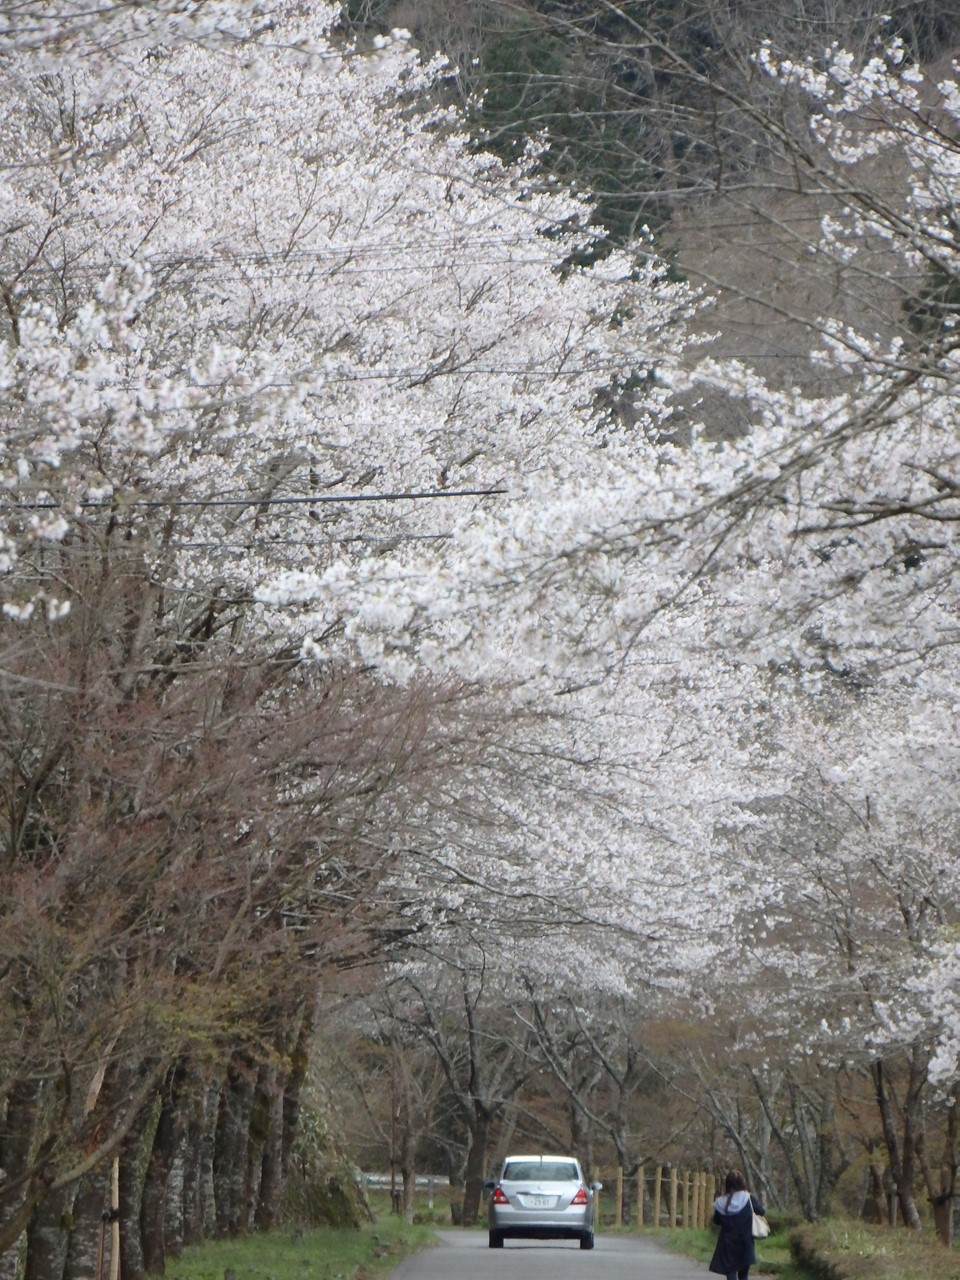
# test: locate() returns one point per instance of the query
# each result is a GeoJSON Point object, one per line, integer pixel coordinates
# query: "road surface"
{"type": "Point", "coordinates": [464, 1255]}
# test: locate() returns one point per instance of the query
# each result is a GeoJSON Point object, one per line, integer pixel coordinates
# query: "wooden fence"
{"type": "Point", "coordinates": [657, 1196]}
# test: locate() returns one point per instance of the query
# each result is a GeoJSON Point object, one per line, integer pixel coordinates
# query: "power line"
{"type": "Point", "coordinates": [267, 543]}
{"type": "Point", "coordinates": [251, 500]}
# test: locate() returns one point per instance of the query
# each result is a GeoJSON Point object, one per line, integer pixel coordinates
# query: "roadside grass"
{"type": "Point", "coordinates": [834, 1249]}
{"type": "Point", "coordinates": [438, 1214]}
{"type": "Point", "coordinates": [841, 1249]}
{"type": "Point", "coordinates": [325, 1254]}
{"type": "Point", "coordinates": [773, 1254]}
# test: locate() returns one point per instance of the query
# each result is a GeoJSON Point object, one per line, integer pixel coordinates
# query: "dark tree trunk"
{"type": "Point", "coordinates": [48, 1237]}
{"type": "Point", "coordinates": [576, 1130]}
{"type": "Point", "coordinates": [293, 1091]}
{"type": "Point", "coordinates": [476, 1164]}
{"type": "Point", "coordinates": [902, 1156]}
{"type": "Point", "coordinates": [943, 1219]}
{"type": "Point", "coordinates": [942, 1184]}
{"type": "Point", "coordinates": [153, 1200]}
{"type": "Point", "coordinates": [137, 1142]}
{"type": "Point", "coordinates": [831, 1163]}
{"type": "Point", "coordinates": [271, 1176]}
{"type": "Point", "coordinates": [192, 1169]}
{"type": "Point", "coordinates": [407, 1156]}
{"type": "Point", "coordinates": [259, 1131]}
{"type": "Point", "coordinates": [89, 1227]}
{"type": "Point", "coordinates": [875, 1201]}
{"type": "Point", "coordinates": [230, 1152]}
{"type": "Point", "coordinates": [208, 1142]}
{"type": "Point", "coordinates": [17, 1124]}
{"type": "Point", "coordinates": [198, 1197]}
{"type": "Point", "coordinates": [174, 1205]}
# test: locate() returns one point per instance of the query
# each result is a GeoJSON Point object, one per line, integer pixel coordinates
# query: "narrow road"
{"type": "Point", "coordinates": [464, 1255]}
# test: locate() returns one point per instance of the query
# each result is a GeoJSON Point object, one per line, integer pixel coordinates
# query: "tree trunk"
{"type": "Point", "coordinates": [476, 1164]}
{"type": "Point", "coordinates": [91, 1207]}
{"type": "Point", "coordinates": [131, 1193]}
{"type": "Point", "coordinates": [943, 1219]}
{"type": "Point", "coordinates": [942, 1189]}
{"type": "Point", "coordinates": [207, 1146]}
{"type": "Point", "coordinates": [48, 1238]}
{"type": "Point", "coordinates": [296, 1075]}
{"type": "Point", "coordinates": [257, 1139]}
{"type": "Point", "coordinates": [230, 1152]}
{"type": "Point", "coordinates": [271, 1176]}
{"type": "Point", "coordinates": [902, 1158]}
{"type": "Point", "coordinates": [576, 1130]}
{"type": "Point", "coordinates": [153, 1201]}
{"type": "Point", "coordinates": [831, 1163]}
{"type": "Point", "coordinates": [406, 1155]}
{"type": "Point", "coordinates": [17, 1123]}
{"type": "Point", "coordinates": [174, 1201]}
{"type": "Point", "coordinates": [192, 1160]}
{"type": "Point", "coordinates": [875, 1201]}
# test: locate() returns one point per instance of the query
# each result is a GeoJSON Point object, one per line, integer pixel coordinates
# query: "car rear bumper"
{"type": "Point", "coordinates": [542, 1233]}
{"type": "Point", "coordinates": [520, 1222]}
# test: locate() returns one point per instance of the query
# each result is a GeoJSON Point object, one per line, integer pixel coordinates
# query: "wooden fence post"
{"type": "Point", "coordinates": [657, 1188]}
{"type": "Point", "coordinates": [115, 1219]}
{"type": "Point", "coordinates": [673, 1196]}
{"type": "Point", "coordinates": [618, 1210]}
{"type": "Point", "coordinates": [640, 1194]}
{"type": "Point", "coordinates": [696, 1218]}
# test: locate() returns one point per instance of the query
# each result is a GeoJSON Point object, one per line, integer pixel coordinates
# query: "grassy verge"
{"type": "Point", "coordinates": [839, 1249]}
{"type": "Point", "coordinates": [773, 1254]}
{"type": "Point", "coordinates": [313, 1255]}
{"type": "Point", "coordinates": [831, 1250]}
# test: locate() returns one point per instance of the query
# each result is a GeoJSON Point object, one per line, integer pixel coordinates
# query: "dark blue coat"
{"type": "Point", "coordinates": [734, 1251]}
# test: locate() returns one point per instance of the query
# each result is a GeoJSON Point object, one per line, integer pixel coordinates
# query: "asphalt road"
{"type": "Point", "coordinates": [464, 1255]}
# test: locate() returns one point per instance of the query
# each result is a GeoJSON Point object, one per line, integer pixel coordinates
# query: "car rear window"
{"type": "Point", "coordinates": [540, 1170]}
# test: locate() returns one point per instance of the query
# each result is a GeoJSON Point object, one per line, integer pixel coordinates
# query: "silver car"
{"type": "Point", "coordinates": [542, 1197]}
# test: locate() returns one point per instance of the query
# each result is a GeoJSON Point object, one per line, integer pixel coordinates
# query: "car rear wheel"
{"type": "Point", "coordinates": [496, 1240]}
{"type": "Point", "coordinates": [586, 1240]}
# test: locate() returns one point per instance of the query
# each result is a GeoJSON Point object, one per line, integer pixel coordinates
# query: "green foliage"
{"type": "Point", "coordinates": [540, 78]}
{"type": "Point", "coordinates": [625, 94]}
{"type": "Point", "coordinates": [322, 1185]}
{"type": "Point", "coordinates": [314, 1255]}
{"type": "Point", "coordinates": [937, 305]}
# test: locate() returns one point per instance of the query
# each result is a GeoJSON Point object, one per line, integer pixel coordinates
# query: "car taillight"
{"type": "Point", "coordinates": [580, 1197]}
{"type": "Point", "coordinates": [499, 1197]}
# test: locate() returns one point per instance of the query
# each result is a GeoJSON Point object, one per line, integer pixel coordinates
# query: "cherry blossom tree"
{"type": "Point", "coordinates": [302, 396]}
{"type": "Point", "coordinates": [351, 493]}
{"type": "Point", "coordinates": [849, 880]}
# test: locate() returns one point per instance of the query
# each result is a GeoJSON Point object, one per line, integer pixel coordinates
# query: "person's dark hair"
{"type": "Point", "coordinates": [735, 1181]}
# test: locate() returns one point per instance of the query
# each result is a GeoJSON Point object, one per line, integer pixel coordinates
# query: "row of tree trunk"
{"type": "Point", "coordinates": [206, 1155]}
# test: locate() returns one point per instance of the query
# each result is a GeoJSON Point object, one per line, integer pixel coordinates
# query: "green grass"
{"type": "Point", "coordinates": [831, 1250]}
{"type": "Point", "coordinates": [773, 1254]}
{"type": "Point", "coordinates": [845, 1249]}
{"type": "Point", "coordinates": [439, 1215]}
{"type": "Point", "coordinates": [313, 1255]}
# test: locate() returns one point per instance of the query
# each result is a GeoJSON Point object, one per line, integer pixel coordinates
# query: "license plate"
{"type": "Point", "coordinates": [540, 1202]}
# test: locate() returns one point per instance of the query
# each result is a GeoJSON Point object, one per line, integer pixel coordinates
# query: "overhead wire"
{"type": "Point", "coordinates": [252, 500]}
{"type": "Point", "coordinates": [250, 544]}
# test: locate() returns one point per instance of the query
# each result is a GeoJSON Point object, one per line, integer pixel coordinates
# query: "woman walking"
{"type": "Point", "coordinates": [733, 1213]}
